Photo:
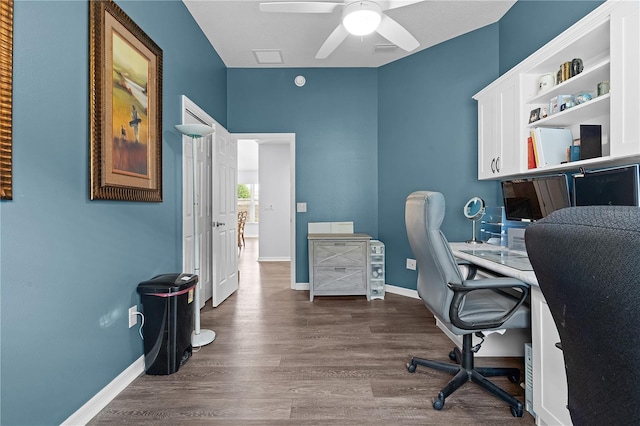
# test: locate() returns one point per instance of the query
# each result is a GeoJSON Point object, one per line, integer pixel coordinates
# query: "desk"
{"type": "Point", "coordinates": [549, 377]}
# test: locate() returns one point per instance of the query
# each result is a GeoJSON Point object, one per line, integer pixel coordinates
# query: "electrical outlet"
{"type": "Point", "coordinates": [411, 264]}
{"type": "Point", "coordinates": [133, 318]}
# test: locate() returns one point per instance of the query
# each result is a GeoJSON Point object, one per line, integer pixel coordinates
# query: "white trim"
{"type": "Point", "coordinates": [401, 291]}
{"type": "Point", "coordinates": [274, 259]}
{"type": "Point", "coordinates": [301, 286]}
{"type": "Point", "coordinates": [96, 404]}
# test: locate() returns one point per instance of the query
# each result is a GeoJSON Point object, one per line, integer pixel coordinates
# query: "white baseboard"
{"type": "Point", "coordinates": [301, 286]}
{"type": "Point", "coordinates": [274, 259]}
{"type": "Point", "coordinates": [401, 291]}
{"type": "Point", "coordinates": [89, 410]}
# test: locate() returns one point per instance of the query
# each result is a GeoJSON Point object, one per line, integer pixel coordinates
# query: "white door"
{"type": "Point", "coordinates": [203, 215]}
{"type": "Point", "coordinates": [225, 215]}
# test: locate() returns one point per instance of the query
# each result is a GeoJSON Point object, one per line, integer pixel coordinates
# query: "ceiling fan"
{"type": "Point", "coordinates": [359, 18]}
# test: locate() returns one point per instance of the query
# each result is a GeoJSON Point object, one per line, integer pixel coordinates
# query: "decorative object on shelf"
{"type": "Point", "coordinates": [603, 88]}
{"type": "Point", "coordinates": [546, 82]}
{"type": "Point", "coordinates": [582, 97]}
{"type": "Point", "coordinates": [473, 210]}
{"type": "Point", "coordinates": [6, 99]}
{"type": "Point", "coordinates": [195, 132]}
{"type": "Point", "coordinates": [566, 70]}
{"type": "Point", "coordinates": [565, 102]}
{"type": "Point", "coordinates": [534, 115]}
{"type": "Point", "coordinates": [125, 98]}
{"type": "Point", "coordinates": [576, 66]}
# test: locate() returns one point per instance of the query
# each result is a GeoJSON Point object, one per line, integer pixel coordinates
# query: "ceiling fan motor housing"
{"type": "Point", "coordinates": [361, 17]}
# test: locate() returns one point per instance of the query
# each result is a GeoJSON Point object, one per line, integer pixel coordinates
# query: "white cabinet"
{"type": "Point", "coordinates": [549, 377]}
{"type": "Point", "coordinates": [338, 265]}
{"type": "Point", "coordinates": [497, 113]}
{"type": "Point", "coordinates": [608, 42]}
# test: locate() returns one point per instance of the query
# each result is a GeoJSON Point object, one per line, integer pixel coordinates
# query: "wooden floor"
{"type": "Point", "coordinates": [279, 359]}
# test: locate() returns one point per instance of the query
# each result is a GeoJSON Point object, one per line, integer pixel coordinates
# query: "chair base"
{"type": "Point", "coordinates": [465, 372]}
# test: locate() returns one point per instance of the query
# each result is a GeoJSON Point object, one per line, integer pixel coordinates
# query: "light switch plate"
{"type": "Point", "coordinates": [301, 207]}
{"type": "Point", "coordinates": [411, 264]}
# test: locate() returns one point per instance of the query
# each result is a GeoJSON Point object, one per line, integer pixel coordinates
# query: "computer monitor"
{"type": "Point", "coordinates": [616, 186]}
{"type": "Point", "coordinates": [533, 198]}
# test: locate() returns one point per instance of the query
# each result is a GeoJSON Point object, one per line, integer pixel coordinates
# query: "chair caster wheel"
{"type": "Point", "coordinates": [411, 368]}
{"type": "Point", "coordinates": [514, 378]}
{"type": "Point", "coordinates": [452, 355]}
{"type": "Point", "coordinates": [438, 404]}
{"type": "Point", "coordinates": [517, 411]}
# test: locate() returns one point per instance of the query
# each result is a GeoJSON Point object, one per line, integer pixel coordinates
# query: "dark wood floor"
{"type": "Point", "coordinates": [279, 359]}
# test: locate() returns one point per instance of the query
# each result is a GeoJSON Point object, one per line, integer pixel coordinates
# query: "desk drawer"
{"type": "Point", "coordinates": [339, 279]}
{"type": "Point", "coordinates": [339, 253]}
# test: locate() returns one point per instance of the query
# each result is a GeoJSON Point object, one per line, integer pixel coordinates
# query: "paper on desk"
{"type": "Point", "coordinates": [501, 331]}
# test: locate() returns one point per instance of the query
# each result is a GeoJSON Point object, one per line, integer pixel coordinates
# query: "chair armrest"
{"type": "Point", "coordinates": [461, 290]}
{"type": "Point", "coordinates": [471, 268]}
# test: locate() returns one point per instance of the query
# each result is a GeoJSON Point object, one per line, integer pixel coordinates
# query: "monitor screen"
{"type": "Point", "coordinates": [534, 198]}
{"type": "Point", "coordinates": [613, 187]}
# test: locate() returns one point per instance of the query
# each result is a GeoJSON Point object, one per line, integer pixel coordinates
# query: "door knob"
{"type": "Point", "coordinates": [217, 224]}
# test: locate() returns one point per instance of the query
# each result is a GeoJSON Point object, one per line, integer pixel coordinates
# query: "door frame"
{"type": "Point", "coordinates": [289, 138]}
{"type": "Point", "coordinates": [190, 108]}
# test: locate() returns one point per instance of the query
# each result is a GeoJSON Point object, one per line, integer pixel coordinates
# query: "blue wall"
{"type": "Point", "coordinates": [335, 119]}
{"type": "Point", "coordinates": [70, 266]}
{"type": "Point", "coordinates": [428, 138]}
{"type": "Point", "coordinates": [530, 24]}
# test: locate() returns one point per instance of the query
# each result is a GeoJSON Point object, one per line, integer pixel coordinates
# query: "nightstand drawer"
{"type": "Point", "coordinates": [353, 280]}
{"type": "Point", "coordinates": [339, 253]}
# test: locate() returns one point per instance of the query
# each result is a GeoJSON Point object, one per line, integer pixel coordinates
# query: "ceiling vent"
{"type": "Point", "coordinates": [385, 48]}
{"type": "Point", "coordinates": [268, 56]}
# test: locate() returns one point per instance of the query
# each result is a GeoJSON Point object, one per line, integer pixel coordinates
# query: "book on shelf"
{"type": "Point", "coordinates": [551, 145]}
{"type": "Point", "coordinates": [531, 155]}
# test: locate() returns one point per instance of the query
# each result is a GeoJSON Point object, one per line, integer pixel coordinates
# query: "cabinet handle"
{"type": "Point", "coordinates": [493, 162]}
{"type": "Point", "coordinates": [498, 164]}
{"type": "Point", "coordinates": [340, 269]}
{"type": "Point", "coordinates": [339, 244]}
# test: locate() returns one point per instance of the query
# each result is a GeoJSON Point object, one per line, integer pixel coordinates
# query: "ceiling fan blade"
{"type": "Point", "coordinates": [333, 41]}
{"type": "Point", "coordinates": [299, 7]}
{"type": "Point", "coordinates": [394, 4]}
{"type": "Point", "coordinates": [397, 34]}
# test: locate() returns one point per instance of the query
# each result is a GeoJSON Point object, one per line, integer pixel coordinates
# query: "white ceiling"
{"type": "Point", "coordinates": [236, 28]}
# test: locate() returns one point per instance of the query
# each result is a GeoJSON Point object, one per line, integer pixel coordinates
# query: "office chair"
{"type": "Point", "coordinates": [586, 263]}
{"type": "Point", "coordinates": [465, 306]}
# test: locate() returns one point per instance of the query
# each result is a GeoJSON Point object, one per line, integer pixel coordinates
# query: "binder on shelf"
{"type": "Point", "coordinates": [552, 145]}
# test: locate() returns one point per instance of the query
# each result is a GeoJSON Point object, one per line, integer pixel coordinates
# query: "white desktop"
{"type": "Point", "coordinates": [549, 378]}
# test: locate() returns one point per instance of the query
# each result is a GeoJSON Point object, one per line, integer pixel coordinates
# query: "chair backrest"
{"type": "Point", "coordinates": [586, 260]}
{"type": "Point", "coordinates": [424, 212]}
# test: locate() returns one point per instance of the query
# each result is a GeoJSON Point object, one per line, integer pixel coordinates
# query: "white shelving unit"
{"type": "Point", "coordinates": [376, 260]}
{"type": "Point", "coordinates": [608, 42]}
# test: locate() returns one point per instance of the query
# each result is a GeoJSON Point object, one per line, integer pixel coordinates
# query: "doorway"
{"type": "Point", "coordinates": [274, 175]}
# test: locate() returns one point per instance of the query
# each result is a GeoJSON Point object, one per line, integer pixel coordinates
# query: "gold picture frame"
{"type": "Point", "coordinates": [126, 107]}
{"type": "Point", "coordinates": [6, 99]}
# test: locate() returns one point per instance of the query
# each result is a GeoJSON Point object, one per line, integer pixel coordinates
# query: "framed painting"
{"type": "Point", "coordinates": [6, 99]}
{"type": "Point", "coordinates": [126, 107]}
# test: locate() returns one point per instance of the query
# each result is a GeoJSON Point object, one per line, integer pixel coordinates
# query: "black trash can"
{"type": "Point", "coordinates": [167, 305]}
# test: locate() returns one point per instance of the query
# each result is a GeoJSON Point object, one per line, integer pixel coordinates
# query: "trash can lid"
{"type": "Point", "coordinates": [168, 283]}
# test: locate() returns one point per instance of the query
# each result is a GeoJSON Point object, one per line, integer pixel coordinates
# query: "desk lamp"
{"type": "Point", "coordinates": [196, 131]}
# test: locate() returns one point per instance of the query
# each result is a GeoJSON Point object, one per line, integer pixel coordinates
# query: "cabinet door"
{"type": "Point", "coordinates": [498, 131]}
{"type": "Point", "coordinates": [549, 377]}
{"type": "Point", "coordinates": [508, 152]}
{"type": "Point", "coordinates": [487, 135]}
{"type": "Point", "coordinates": [625, 85]}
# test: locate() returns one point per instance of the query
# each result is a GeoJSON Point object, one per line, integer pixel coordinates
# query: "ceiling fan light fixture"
{"type": "Point", "coordinates": [361, 17]}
